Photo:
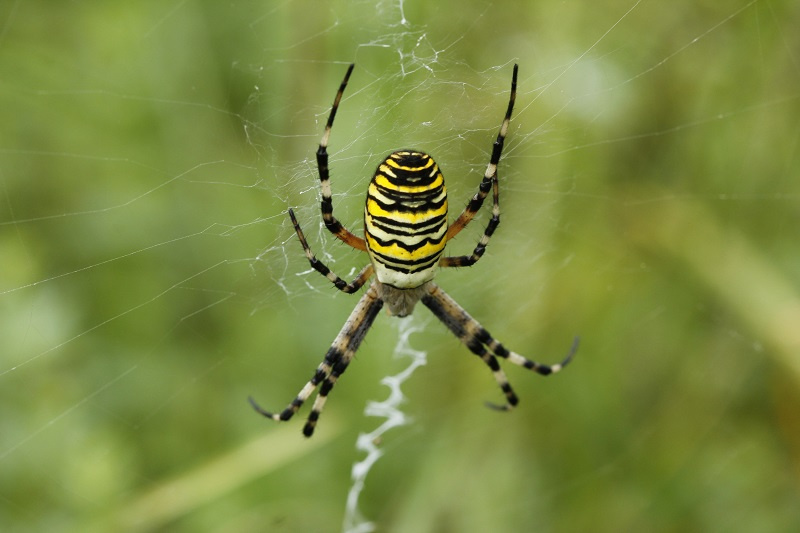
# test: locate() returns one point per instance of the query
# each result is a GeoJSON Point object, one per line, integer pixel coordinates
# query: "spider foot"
{"type": "Point", "coordinates": [266, 414]}
{"type": "Point", "coordinates": [498, 407]}
{"type": "Point", "coordinates": [311, 423]}
{"type": "Point", "coordinates": [569, 356]}
{"type": "Point", "coordinates": [511, 399]}
{"type": "Point", "coordinates": [539, 368]}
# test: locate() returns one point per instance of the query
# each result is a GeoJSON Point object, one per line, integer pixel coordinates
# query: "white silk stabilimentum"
{"type": "Point", "coordinates": [388, 409]}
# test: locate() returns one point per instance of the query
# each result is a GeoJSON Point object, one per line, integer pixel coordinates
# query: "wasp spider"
{"type": "Point", "coordinates": [406, 229]}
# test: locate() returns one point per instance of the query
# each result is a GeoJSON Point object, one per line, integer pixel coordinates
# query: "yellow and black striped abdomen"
{"type": "Point", "coordinates": [405, 219]}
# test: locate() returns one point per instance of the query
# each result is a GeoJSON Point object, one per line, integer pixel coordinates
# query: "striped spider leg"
{"type": "Point", "coordinates": [477, 339]}
{"type": "Point", "coordinates": [335, 363]}
{"type": "Point", "coordinates": [333, 225]}
{"type": "Point", "coordinates": [476, 202]}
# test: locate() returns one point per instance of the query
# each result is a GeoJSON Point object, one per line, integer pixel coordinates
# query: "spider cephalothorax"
{"type": "Point", "coordinates": [406, 229]}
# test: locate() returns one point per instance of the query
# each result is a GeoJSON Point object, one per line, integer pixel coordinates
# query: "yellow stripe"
{"type": "Point", "coordinates": [386, 170]}
{"type": "Point", "coordinates": [393, 163]}
{"type": "Point", "coordinates": [395, 251]}
{"type": "Point", "coordinates": [375, 210]}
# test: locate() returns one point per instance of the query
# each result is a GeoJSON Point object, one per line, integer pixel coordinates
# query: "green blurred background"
{"type": "Point", "coordinates": [150, 281]}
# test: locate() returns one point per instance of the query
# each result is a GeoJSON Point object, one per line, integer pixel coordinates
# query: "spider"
{"type": "Point", "coordinates": [405, 230]}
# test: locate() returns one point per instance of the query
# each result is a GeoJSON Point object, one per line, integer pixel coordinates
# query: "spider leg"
{"type": "Point", "coordinates": [334, 364]}
{"type": "Point", "coordinates": [333, 225]}
{"type": "Point", "coordinates": [477, 253]}
{"type": "Point", "coordinates": [477, 339]}
{"type": "Point", "coordinates": [489, 181]}
{"type": "Point", "coordinates": [317, 265]}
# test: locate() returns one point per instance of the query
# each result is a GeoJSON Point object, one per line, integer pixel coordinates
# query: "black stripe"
{"type": "Point", "coordinates": [400, 196]}
{"type": "Point", "coordinates": [414, 265]}
{"type": "Point", "coordinates": [428, 227]}
{"type": "Point", "coordinates": [414, 178]}
{"type": "Point", "coordinates": [427, 205]}
{"type": "Point", "coordinates": [406, 246]}
{"type": "Point", "coordinates": [410, 158]}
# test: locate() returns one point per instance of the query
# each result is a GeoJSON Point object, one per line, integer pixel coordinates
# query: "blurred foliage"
{"type": "Point", "coordinates": [149, 281]}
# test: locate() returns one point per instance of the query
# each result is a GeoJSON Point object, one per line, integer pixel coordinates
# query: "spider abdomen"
{"type": "Point", "coordinates": [405, 219]}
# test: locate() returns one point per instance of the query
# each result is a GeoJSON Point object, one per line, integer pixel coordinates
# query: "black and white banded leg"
{"type": "Point", "coordinates": [333, 225]}
{"type": "Point", "coordinates": [488, 182]}
{"type": "Point", "coordinates": [481, 343]}
{"type": "Point", "coordinates": [480, 248]}
{"type": "Point", "coordinates": [320, 267]}
{"type": "Point", "coordinates": [335, 363]}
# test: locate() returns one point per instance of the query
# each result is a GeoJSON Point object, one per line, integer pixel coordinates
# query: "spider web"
{"type": "Point", "coordinates": [150, 280]}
